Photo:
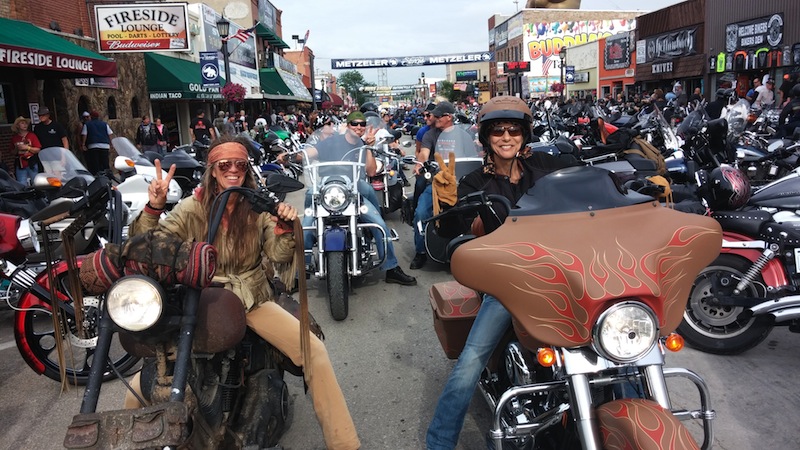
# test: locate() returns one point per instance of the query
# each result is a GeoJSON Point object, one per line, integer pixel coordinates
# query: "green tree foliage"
{"type": "Point", "coordinates": [447, 91]}
{"type": "Point", "coordinates": [352, 81]}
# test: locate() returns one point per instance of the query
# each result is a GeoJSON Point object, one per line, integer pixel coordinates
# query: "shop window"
{"type": "Point", "coordinates": [111, 106]}
{"type": "Point", "coordinates": [7, 108]}
{"type": "Point", "coordinates": [83, 106]}
{"type": "Point", "coordinates": [135, 107]}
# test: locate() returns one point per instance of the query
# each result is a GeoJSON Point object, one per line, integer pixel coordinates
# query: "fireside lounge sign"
{"type": "Point", "coordinates": [142, 27]}
{"type": "Point", "coordinates": [668, 46]}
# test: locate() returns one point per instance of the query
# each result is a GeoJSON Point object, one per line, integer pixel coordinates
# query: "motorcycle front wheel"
{"type": "Point", "coordinates": [718, 329]}
{"type": "Point", "coordinates": [36, 341]}
{"type": "Point", "coordinates": [338, 287]}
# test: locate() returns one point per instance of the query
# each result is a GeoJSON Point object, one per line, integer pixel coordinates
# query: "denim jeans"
{"type": "Point", "coordinates": [423, 211]}
{"type": "Point", "coordinates": [372, 215]}
{"type": "Point", "coordinates": [25, 176]}
{"type": "Point", "coordinates": [490, 325]}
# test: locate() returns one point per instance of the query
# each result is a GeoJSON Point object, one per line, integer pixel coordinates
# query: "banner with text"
{"type": "Point", "coordinates": [411, 61]}
{"type": "Point", "coordinates": [142, 27]}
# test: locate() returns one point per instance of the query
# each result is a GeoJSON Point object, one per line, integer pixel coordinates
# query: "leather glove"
{"type": "Point", "coordinates": [444, 182]}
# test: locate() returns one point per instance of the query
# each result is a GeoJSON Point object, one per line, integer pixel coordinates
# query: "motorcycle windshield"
{"type": "Point", "coordinates": [691, 124]}
{"type": "Point", "coordinates": [737, 118]}
{"type": "Point", "coordinates": [462, 141]}
{"type": "Point", "coordinates": [126, 148]}
{"type": "Point", "coordinates": [63, 164]}
{"type": "Point", "coordinates": [331, 160]}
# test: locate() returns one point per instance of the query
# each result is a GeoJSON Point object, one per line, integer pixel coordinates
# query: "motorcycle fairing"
{"type": "Point", "coordinates": [640, 424]}
{"type": "Point", "coordinates": [556, 273]}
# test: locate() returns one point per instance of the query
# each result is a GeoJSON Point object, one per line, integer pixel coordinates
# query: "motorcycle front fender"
{"type": "Point", "coordinates": [334, 240]}
{"type": "Point", "coordinates": [774, 273]}
{"type": "Point", "coordinates": [635, 423]}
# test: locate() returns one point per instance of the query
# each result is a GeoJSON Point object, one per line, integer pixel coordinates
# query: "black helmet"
{"type": "Point", "coordinates": [322, 119]}
{"type": "Point", "coordinates": [373, 119]}
{"type": "Point", "coordinates": [369, 106]}
{"type": "Point", "coordinates": [727, 188]}
{"type": "Point", "coordinates": [726, 92]}
{"type": "Point", "coordinates": [795, 91]}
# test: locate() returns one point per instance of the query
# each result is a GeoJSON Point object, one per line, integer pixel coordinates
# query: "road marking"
{"type": "Point", "coordinates": [7, 345]}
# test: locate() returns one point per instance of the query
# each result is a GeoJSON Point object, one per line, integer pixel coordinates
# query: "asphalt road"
{"type": "Point", "coordinates": [391, 368]}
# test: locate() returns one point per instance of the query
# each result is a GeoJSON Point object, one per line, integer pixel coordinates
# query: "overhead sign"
{"type": "Point", "coordinates": [209, 69]}
{"type": "Point", "coordinates": [617, 51]}
{"type": "Point", "coordinates": [761, 32]}
{"type": "Point", "coordinates": [142, 27]}
{"type": "Point", "coordinates": [671, 45]}
{"type": "Point", "coordinates": [466, 75]}
{"type": "Point", "coordinates": [411, 61]}
{"type": "Point", "coordinates": [517, 67]}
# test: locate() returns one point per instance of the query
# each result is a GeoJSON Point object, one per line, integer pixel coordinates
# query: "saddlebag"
{"type": "Point", "coordinates": [165, 424]}
{"type": "Point", "coordinates": [454, 309]}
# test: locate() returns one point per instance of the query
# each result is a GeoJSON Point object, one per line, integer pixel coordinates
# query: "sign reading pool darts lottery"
{"type": "Point", "coordinates": [142, 27]}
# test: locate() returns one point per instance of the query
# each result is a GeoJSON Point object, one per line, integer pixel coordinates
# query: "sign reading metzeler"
{"type": "Point", "coordinates": [142, 27]}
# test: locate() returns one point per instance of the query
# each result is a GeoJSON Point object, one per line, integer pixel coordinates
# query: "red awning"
{"type": "Point", "coordinates": [335, 99]}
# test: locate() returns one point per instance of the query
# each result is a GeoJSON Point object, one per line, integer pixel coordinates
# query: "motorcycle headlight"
{"type": "Point", "coordinates": [26, 234]}
{"type": "Point", "coordinates": [625, 332]}
{"type": "Point", "coordinates": [334, 197]}
{"type": "Point", "coordinates": [135, 302]}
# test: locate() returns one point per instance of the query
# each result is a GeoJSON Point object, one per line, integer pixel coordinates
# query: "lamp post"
{"type": "Point", "coordinates": [224, 28]}
{"type": "Point", "coordinates": [562, 54]}
{"type": "Point", "coordinates": [424, 89]}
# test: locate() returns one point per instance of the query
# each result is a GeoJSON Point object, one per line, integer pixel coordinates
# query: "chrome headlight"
{"type": "Point", "coordinates": [135, 302]}
{"type": "Point", "coordinates": [625, 332]}
{"type": "Point", "coordinates": [334, 197]}
{"type": "Point", "coordinates": [26, 234]}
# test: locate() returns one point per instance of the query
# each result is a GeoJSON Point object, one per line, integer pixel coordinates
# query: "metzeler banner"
{"type": "Point", "coordinates": [142, 27]}
{"type": "Point", "coordinates": [411, 61]}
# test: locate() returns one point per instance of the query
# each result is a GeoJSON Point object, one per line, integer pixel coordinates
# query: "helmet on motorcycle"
{"type": "Point", "coordinates": [727, 188]}
{"type": "Point", "coordinates": [504, 108]}
{"type": "Point", "coordinates": [726, 92]}
{"type": "Point", "coordinates": [795, 91]}
{"type": "Point", "coordinates": [373, 119]}
{"type": "Point", "coordinates": [369, 106]}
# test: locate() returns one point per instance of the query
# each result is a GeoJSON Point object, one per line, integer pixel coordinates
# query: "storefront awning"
{"type": "Point", "coordinates": [336, 100]}
{"type": "Point", "coordinates": [279, 85]}
{"type": "Point", "coordinates": [176, 79]}
{"type": "Point", "coordinates": [274, 40]}
{"type": "Point", "coordinates": [24, 45]}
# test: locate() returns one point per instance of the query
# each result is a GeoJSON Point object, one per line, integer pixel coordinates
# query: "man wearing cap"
{"type": "Point", "coordinates": [337, 147]}
{"type": "Point", "coordinates": [49, 132]}
{"type": "Point", "coordinates": [96, 139]}
{"type": "Point", "coordinates": [444, 138]}
{"type": "Point", "coordinates": [765, 96]}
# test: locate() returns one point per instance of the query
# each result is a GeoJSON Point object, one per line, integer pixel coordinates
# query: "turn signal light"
{"type": "Point", "coordinates": [546, 357]}
{"type": "Point", "coordinates": [130, 163]}
{"type": "Point", "coordinates": [53, 181]}
{"type": "Point", "coordinates": [391, 173]}
{"type": "Point", "coordinates": [674, 342]}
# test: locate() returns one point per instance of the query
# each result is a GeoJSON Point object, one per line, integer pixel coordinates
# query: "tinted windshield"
{"type": "Point", "coordinates": [126, 148]}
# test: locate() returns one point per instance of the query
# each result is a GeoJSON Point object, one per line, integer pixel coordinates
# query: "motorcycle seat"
{"type": "Point", "coordinates": [745, 222]}
{"type": "Point", "coordinates": [781, 233]}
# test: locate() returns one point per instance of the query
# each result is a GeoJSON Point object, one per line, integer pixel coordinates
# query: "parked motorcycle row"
{"type": "Point", "coordinates": [594, 315]}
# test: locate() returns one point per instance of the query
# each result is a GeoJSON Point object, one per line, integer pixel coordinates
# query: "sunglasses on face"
{"type": "Point", "coordinates": [427, 114]}
{"type": "Point", "coordinates": [513, 131]}
{"type": "Point", "coordinates": [226, 164]}
{"type": "Point", "coordinates": [358, 124]}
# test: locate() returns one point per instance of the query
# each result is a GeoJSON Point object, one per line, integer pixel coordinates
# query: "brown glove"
{"type": "Point", "coordinates": [444, 183]}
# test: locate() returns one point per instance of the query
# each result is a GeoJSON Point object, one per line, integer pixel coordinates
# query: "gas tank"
{"type": "Point", "coordinates": [782, 194]}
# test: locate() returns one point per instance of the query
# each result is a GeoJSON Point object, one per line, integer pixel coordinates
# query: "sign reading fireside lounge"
{"type": "Point", "coordinates": [142, 27]}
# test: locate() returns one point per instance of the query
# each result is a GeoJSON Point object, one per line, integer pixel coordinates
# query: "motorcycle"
{"type": "Point", "coordinates": [753, 285]}
{"type": "Point", "coordinates": [591, 311]}
{"type": "Point", "coordinates": [211, 383]}
{"type": "Point", "coordinates": [386, 181]}
{"type": "Point", "coordinates": [137, 172]}
{"type": "Point", "coordinates": [41, 278]}
{"type": "Point", "coordinates": [344, 248]}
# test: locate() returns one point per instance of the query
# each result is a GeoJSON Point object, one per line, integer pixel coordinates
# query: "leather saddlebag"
{"type": "Point", "coordinates": [454, 309]}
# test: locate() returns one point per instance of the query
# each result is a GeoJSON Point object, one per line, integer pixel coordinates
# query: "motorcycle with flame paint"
{"type": "Point", "coordinates": [593, 313]}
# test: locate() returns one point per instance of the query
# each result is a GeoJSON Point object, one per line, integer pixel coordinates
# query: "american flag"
{"type": "Point", "coordinates": [547, 62]}
{"type": "Point", "coordinates": [242, 35]}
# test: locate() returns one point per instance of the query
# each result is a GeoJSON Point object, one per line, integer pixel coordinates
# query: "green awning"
{"type": "Point", "coordinates": [24, 45]}
{"type": "Point", "coordinates": [274, 40]}
{"type": "Point", "coordinates": [176, 79]}
{"type": "Point", "coordinates": [276, 86]}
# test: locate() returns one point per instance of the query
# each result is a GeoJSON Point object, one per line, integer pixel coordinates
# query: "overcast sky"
{"type": "Point", "coordinates": [371, 28]}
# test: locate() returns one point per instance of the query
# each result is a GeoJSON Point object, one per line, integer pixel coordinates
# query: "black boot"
{"type": "Point", "coordinates": [419, 261]}
{"type": "Point", "coordinates": [397, 275]}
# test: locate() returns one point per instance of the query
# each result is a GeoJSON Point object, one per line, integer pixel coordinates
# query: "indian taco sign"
{"type": "Point", "coordinates": [142, 27]}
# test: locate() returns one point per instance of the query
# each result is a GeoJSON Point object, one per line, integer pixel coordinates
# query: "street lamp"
{"type": "Point", "coordinates": [424, 89]}
{"type": "Point", "coordinates": [224, 28]}
{"type": "Point", "coordinates": [562, 54]}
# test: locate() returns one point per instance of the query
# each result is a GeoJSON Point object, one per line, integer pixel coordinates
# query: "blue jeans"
{"type": "Point", "coordinates": [372, 215]}
{"type": "Point", "coordinates": [25, 176]}
{"type": "Point", "coordinates": [423, 211]}
{"type": "Point", "coordinates": [490, 325]}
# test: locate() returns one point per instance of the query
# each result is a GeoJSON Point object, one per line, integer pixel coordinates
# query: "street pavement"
{"type": "Point", "coordinates": [391, 369]}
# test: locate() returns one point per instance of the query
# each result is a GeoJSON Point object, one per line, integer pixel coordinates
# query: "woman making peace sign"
{"type": "Point", "coordinates": [248, 245]}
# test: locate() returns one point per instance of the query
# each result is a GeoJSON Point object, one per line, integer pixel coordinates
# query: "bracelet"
{"type": "Point", "coordinates": [148, 208]}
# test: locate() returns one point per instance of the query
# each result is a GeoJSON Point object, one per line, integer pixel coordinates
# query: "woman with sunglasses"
{"type": "Point", "coordinates": [250, 247]}
{"type": "Point", "coordinates": [509, 169]}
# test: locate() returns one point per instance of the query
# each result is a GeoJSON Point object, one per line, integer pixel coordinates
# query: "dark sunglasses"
{"type": "Point", "coordinates": [226, 164]}
{"type": "Point", "coordinates": [443, 115]}
{"type": "Point", "coordinates": [513, 131]}
{"type": "Point", "coordinates": [427, 114]}
{"type": "Point", "coordinates": [358, 124]}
